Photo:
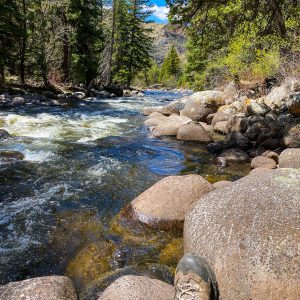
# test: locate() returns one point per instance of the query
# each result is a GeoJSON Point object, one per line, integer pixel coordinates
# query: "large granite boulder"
{"type": "Point", "coordinates": [166, 203]}
{"type": "Point", "coordinates": [223, 114]}
{"type": "Point", "coordinates": [169, 127]}
{"type": "Point", "coordinates": [290, 158]}
{"type": "Point", "coordinates": [41, 288]}
{"type": "Point", "coordinates": [155, 119]}
{"type": "Point", "coordinates": [131, 287]}
{"type": "Point", "coordinates": [249, 234]}
{"type": "Point", "coordinates": [193, 132]}
{"type": "Point", "coordinates": [199, 105]}
{"type": "Point", "coordinates": [149, 110]}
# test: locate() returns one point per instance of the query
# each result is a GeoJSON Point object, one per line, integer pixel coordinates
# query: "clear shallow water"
{"type": "Point", "coordinates": [82, 165]}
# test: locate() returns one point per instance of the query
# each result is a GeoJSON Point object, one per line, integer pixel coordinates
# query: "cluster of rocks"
{"type": "Point", "coordinates": [249, 127]}
{"type": "Point", "coordinates": [248, 231]}
{"type": "Point", "coordinates": [49, 98]}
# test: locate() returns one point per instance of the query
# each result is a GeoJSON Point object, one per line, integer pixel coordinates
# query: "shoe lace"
{"type": "Point", "coordinates": [188, 289]}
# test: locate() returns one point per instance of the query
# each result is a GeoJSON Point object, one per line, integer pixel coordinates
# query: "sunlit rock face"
{"type": "Point", "coordinates": [249, 233]}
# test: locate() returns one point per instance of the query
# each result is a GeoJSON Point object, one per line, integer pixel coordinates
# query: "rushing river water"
{"type": "Point", "coordinates": [82, 165]}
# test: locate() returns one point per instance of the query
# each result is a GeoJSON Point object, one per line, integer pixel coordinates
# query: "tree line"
{"type": "Point", "coordinates": [79, 41]}
{"type": "Point", "coordinates": [245, 39]}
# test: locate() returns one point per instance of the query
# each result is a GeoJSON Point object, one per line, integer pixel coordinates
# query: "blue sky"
{"type": "Point", "coordinates": [160, 11]}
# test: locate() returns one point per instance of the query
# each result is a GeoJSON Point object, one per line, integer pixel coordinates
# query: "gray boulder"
{"type": "Point", "coordinates": [41, 288]}
{"type": "Point", "coordinates": [131, 287]}
{"type": "Point", "coordinates": [249, 234]}
{"type": "Point", "coordinates": [199, 105]}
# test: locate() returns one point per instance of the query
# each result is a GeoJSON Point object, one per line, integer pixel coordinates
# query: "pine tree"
{"type": "Point", "coordinates": [133, 44]}
{"type": "Point", "coordinates": [84, 16]}
{"type": "Point", "coordinates": [10, 32]}
{"type": "Point", "coordinates": [171, 65]}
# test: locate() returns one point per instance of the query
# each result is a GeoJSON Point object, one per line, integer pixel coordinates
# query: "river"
{"type": "Point", "coordinates": [83, 163]}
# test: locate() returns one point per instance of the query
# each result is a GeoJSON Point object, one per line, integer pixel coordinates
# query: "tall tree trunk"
{"type": "Point", "coordinates": [2, 76]}
{"type": "Point", "coordinates": [129, 77]}
{"type": "Point", "coordinates": [66, 50]}
{"type": "Point", "coordinates": [278, 19]}
{"type": "Point", "coordinates": [112, 43]}
{"type": "Point", "coordinates": [23, 43]}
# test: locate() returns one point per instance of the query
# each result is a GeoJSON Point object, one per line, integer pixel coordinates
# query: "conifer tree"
{"type": "Point", "coordinates": [171, 65]}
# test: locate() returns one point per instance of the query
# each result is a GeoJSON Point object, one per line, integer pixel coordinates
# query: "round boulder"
{"type": "Point", "coordinates": [131, 287]}
{"type": "Point", "coordinates": [166, 203]}
{"type": "Point", "coordinates": [193, 132]}
{"type": "Point", "coordinates": [40, 288]}
{"type": "Point", "coordinates": [290, 158]}
{"type": "Point", "coordinates": [263, 162]}
{"type": "Point", "coordinates": [169, 127]}
{"type": "Point", "coordinates": [249, 234]}
{"type": "Point", "coordinates": [199, 105]}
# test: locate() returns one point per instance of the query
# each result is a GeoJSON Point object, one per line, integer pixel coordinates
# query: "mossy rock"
{"type": "Point", "coordinates": [90, 263]}
{"type": "Point", "coordinates": [172, 253]}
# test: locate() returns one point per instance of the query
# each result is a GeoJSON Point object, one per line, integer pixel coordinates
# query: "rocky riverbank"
{"type": "Point", "coordinates": [248, 230]}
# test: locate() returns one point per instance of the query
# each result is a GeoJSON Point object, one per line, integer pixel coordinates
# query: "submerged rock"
{"type": "Point", "coordinates": [172, 253]}
{"type": "Point", "coordinates": [193, 132]}
{"type": "Point", "coordinates": [290, 158]}
{"type": "Point", "coordinates": [235, 156]}
{"type": "Point", "coordinates": [41, 288]}
{"type": "Point", "coordinates": [4, 134]}
{"type": "Point", "coordinates": [90, 263]}
{"type": "Point", "coordinates": [138, 287]}
{"type": "Point", "coordinates": [249, 234]}
{"type": "Point", "coordinates": [10, 156]}
{"type": "Point", "coordinates": [166, 203]}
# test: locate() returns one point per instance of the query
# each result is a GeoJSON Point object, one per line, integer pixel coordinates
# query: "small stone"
{"type": "Point", "coordinates": [263, 162]}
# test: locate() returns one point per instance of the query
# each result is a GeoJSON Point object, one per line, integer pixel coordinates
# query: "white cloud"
{"type": "Point", "coordinates": [160, 12]}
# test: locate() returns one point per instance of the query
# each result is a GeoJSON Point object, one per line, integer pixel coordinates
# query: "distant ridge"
{"type": "Point", "coordinates": [164, 37]}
